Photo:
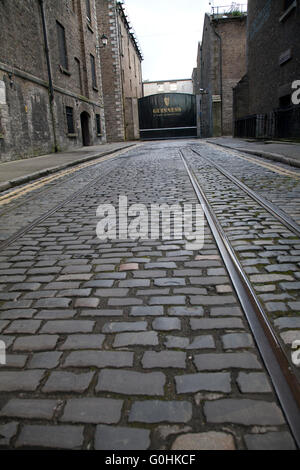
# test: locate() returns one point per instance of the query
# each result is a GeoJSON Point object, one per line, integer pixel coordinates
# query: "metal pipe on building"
{"type": "Point", "coordinates": [51, 90]}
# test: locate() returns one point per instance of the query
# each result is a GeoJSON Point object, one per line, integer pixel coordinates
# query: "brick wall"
{"type": "Point", "coordinates": [121, 72]}
{"type": "Point", "coordinates": [233, 36]}
{"type": "Point", "coordinates": [268, 39]}
{"type": "Point", "coordinates": [222, 64]}
{"type": "Point", "coordinates": [111, 70]}
{"type": "Point", "coordinates": [262, 98]}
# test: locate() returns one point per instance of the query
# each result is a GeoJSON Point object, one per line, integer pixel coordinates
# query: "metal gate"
{"type": "Point", "coordinates": [168, 115]}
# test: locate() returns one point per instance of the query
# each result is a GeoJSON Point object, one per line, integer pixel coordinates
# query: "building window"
{"type": "Point", "coordinates": [70, 120]}
{"type": "Point", "coordinates": [93, 70]}
{"type": "Point", "coordinates": [78, 68]}
{"type": "Point", "coordinates": [88, 11]}
{"type": "Point", "coordinates": [62, 45]}
{"type": "Point", "coordinates": [173, 87]}
{"type": "Point", "coordinates": [98, 124]}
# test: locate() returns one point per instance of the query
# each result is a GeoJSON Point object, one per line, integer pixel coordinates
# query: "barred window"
{"type": "Point", "coordinates": [62, 45]}
{"type": "Point", "coordinates": [93, 70]}
{"type": "Point", "coordinates": [70, 120]}
{"type": "Point", "coordinates": [98, 124]}
{"type": "Point", "coordinates": [88, 11]}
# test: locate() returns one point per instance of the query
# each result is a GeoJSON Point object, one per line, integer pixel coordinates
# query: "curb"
{"type": "Point", "coordinates": [47, 171]}
{"type": "Point", "coordinates": [270, 156]}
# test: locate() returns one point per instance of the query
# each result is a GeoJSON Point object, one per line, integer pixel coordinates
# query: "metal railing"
{"type": "Point", "coordinates": [281, 123]}
{"type": "Point", "coordinates": [229, 11]}
{"type": "Point", "coordinates": [245, 127]}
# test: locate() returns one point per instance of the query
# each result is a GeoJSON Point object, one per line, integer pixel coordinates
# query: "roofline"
{"type": "Point", "coordinates": [168, 81]}
{"type": "Point", "coordinates": [129, 30]}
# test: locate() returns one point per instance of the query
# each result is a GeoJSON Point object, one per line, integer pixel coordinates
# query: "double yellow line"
{"type": "Point", "coordinates": [269, 166]}
{"type": "Point", "coordinates": [19, 192]}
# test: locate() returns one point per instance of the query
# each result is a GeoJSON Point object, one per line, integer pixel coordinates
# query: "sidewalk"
{"type": "Point", "coordinates": [284, 152]}
{"type": "Point", "coordinates": [21, 171]}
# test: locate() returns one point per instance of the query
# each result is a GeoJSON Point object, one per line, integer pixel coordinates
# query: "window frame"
{"type": "Point", "coordinates": [62, 46]}
{"type": "Point", "coordinates": [78, 67]}
{"type": "Point", "coordinates": [98, 124]}
{"type": "Point", "coordinates": [88, 11]}
{"type": "Point", "coordinates": [70, 120]}
{"type": "Point", "coordinates": [93, 72]}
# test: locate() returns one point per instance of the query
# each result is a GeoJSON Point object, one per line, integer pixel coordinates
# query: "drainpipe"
{"type": "Point", "coordinates": [201, 96]}
{"type": "Point", "coordinates": [51, 90]}
{"type": "Point", "coordinates": [221, 76]}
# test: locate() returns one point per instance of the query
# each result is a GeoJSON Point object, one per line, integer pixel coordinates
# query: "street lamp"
{"type": "Point", "coordinates": [104, 40]}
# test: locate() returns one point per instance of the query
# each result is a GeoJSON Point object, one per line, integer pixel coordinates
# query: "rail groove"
{"type": "Point", "coordinates": [269, 206]}
{"type": "Point", "coordinates": [284, 381]}
{"type": "Point", "coordinates": [54, 209]}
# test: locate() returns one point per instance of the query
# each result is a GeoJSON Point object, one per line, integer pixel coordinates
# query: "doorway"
{"type": "Point", "coordinates": [85, 128]}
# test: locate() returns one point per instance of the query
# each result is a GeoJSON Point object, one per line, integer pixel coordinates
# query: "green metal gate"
{"type": "Point", "coordinates": [168, 115]}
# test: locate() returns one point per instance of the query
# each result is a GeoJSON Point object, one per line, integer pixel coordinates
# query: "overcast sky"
{"type": "Point", "coordinates": [168, 32]}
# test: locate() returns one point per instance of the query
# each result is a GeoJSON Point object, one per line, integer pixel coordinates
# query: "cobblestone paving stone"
{"type": "Point", "coordinates": [282, 190]}
{"type": "Point", "coordinates": [27, 208]}
{"type": "Point", "coordinates": [265, 248]}
{"type": "Point", "coordinates": [134, 344]}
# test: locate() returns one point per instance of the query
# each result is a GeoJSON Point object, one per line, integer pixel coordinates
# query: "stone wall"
{"type": "Point", "coordinates": [273, 53]}
{"type": "Point", "coordinates": [30, 123]}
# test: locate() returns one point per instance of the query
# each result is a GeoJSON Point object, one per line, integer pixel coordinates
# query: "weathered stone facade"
{"type": "Point", "coordinates": [221, 64]}
{"type": "Point", "coordinates": [263, 103]}
{"type": "Point", "coordinates": [121, 72]}
{"type": "Point", "coordinates": [36, 118]}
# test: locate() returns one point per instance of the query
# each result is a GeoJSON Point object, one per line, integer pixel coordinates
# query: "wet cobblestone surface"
{"type": "Point", "coordinates": [141, 344]}
{"type": "Point", "coordinates": [27, 207]}
{"type": "Point", "coordinates": [281, 189]}
{"type": "Point", "coordinates": [266, 249]}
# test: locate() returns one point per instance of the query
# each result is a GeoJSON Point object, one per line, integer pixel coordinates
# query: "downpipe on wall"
{"type": "Point", "coordinates": [51, 90]}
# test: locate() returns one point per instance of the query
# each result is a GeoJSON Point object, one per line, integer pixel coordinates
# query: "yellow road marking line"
{"type": "Point", "coordinates": [17, 193]}
{"type": "Point", "coordinates": [270, 166]}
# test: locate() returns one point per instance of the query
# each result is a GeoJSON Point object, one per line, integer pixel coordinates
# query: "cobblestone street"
{"type": "Point", "coordinates": [144, 344]}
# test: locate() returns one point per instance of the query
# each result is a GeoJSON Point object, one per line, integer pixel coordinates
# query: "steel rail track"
{"type": "Point", "coordinates": [284, 381]}
{"type": "Point", "coordinates": [279, 214]}
{"type": "Point", "coordinates": [54, 209]}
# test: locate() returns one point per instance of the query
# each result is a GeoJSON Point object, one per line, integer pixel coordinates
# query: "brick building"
{"type": "Point", "coordinates": [184, 85]}
{"type": "Point", "coordinates": [50, 77]}
{"type": "Point", "coordinates": [54, 70]}
{"type": "Point", "coordinates": [262, 99]}
{"type": "Point", "coordinates": [121, 72]}
{"type": "Point", "coordinates": [221, 64]}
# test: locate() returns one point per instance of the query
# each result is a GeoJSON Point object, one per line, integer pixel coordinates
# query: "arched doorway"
{"type": "Point", "coordinates": [85, 128]}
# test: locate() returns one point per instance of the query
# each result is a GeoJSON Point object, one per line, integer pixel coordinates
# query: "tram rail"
{"type": "Point", "coordinates": [277, 364]}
